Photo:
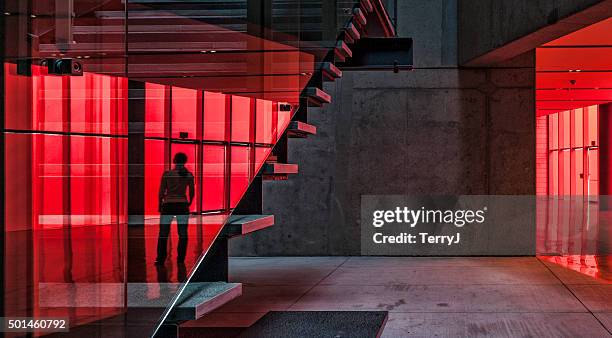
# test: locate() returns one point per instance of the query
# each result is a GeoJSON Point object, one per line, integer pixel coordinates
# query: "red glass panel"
{"type": "Point", "coordinates": [215, 116]}
{"type": "Point", "coordinates": [185, 112]}
{"type": "Point", "coordinates": [592, 126]}
{"type": "Point", "coordinates": [17, 99]}
{"type": "Point", "coordinates": [284, 117]}
{"type": "Point", "coordinates": [553, 176]}
{"type": "Point", "coordinates": [95, 185]}
{"type": "Point", "coordinates": [553, 131]}
{"type": "Point", "coordinates": [155, 110]}
{"type": "Point", "coordinates": [577, 172]}
{"type": "Point", "coordinates": [593, 162]}
{"type": "Point", "coordinates": [564, 129]}
{"type": "Point", "coordinates": [241, 119]}
{"type": "Point", "coordinates": [49, 181]}
{"type": "Point", "coordinates": [121, 104]}
{"type": "Point", "coordinates": [265, 122]}
{"type": "Point", "coordinates": [155, 164]}
{"type": "Point", "coordinates": [565, 173]}
{"type": "Point", "coordinates": [577, 128]}
{"type": "Point", "coordinates": [213, 178]}
{"type": "Point", "coordinates": [240, 173]}
{"type": "Point", "coordinates": [50, 106]}
{"type": "Point", "coordinates": [18, 171]}
{"type": "Point", "coordinates": [192, 160]}
{"type": "Point", "coordinates": [94, 104]}
{"type": "Point", "coordinates": [261, 154]}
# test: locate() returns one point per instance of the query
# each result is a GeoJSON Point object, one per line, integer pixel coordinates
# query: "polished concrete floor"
{"type": "Point", "coordinates": [425, 297]}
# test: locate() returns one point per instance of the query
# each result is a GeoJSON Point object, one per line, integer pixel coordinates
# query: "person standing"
{"type": "Point", "coordinates": [174, 202]}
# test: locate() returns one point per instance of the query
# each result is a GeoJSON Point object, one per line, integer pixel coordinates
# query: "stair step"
{"type": "Point", "coordinates": [342, 51]}
{"type": "Point", "coordinates": [196, 300]}
{"type": "Point", "coordinates": [275, 168]}
{"type": "Point", "coordinates": [359, 17]}
{"type": "Point", "coordinates": [244, 224]}
{"type": "Point", "coordinates": [316, 96]}
{"type": "Point", "coordinates": [352, 31]}
{"type": "Point", "coordinates": [330, 71]}
{"type": "Point", "coordinates": [199, 299]}
{"type": "Point", "coordinates": [298, 129]}
{"type": "Point", "coordinates": [367, 5]}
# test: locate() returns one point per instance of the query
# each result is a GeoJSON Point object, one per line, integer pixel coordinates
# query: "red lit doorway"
{"type": "Point", "coordinates": [573, 95]}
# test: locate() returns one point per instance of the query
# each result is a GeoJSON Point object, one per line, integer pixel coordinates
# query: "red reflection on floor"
{"type": "Point", "coordinates": [597, 267]}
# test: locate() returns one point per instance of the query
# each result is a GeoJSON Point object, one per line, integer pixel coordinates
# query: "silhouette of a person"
{"type": "Point", "coordinates": [173, 202]}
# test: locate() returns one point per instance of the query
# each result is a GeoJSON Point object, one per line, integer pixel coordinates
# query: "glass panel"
{"type": "Point", "coordinates": [155, 110]}
{"type": "Point", "coordinates": [241, 119]}
{"type": "Point", "coordinates": [564, 129]}
{"type": "Point", "coordinates": [185, 113]}
{"type": "Point", "coordinates": [155, 165]}
{"type": "Point", "coordinates": [240, 173]}
{"type": "Point", "coordinates": [593, 160]}
{"type": "Point", "coordinates": [577, 133]}
{"type": "Point", "coordinates": [215, 116]}
{"type": "Point", "coordinates": [192, 160]}
{"type": "Point", "coordinates": [261, 154]}
{"type": "Point", "coordinates": [213, 178]}
{"type": "Point", "coordinates": [266, 122]}
{"type": "Point", "coordinates": [553, 131]}
{"type": "Point", "coordinates": [553, 168]}
{"type": "Point", "coordinates": [593, 123]}
{"type": "Point", "coordinates": [577, 172]}
{"type": "Point", "coordinates": [565, 173]}
{"type": "Point", "coordinates": [284, 117]}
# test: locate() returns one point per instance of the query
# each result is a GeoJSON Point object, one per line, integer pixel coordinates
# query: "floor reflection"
{"type": "Point", "coordinates": [85, 272]}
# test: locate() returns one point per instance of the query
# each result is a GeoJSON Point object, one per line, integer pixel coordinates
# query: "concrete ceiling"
{"type": "Point", "coordinates": [575, 70]}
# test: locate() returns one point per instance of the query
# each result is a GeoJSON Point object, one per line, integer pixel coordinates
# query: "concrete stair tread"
{"type": "Point", "coordinates": [367, 5]}
{"type": "Point", "coordinates": [274, 168]}
{"type": "Point", "coordinates": [298, 129]}
{"type": "Point", "coordinates": [244, 224]}
{"type": "Point", "coordinates": [342, 50]}
{"type": "Point", "coordinates": [317, 96]}
{"type": "Point", "coordinates": [353, 32]}
{"type": "Point", "coordinates": [199, 299]}
{"type": "Point", "coordinates": [359, 16]}
{"type": "Point", "coordinates": [331, 71]}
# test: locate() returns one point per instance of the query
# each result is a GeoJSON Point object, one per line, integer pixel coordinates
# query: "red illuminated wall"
{"type": "Point", "coordinates": [66, 175]}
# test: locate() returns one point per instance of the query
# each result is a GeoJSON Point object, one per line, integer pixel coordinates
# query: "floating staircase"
{"type": "Point", "coordinates": [249, 217]}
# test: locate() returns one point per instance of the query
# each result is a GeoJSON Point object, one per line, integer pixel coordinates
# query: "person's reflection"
{"type": "Point", "coordinates": [173, 202]}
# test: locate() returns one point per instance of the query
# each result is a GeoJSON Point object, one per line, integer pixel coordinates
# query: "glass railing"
{"type": "Point", "coordinates": [99, 97]}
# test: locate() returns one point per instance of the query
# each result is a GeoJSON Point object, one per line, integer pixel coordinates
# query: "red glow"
{"type": "Point", "coordinates": [190, 151]}
{"type": "Point", "coordinates": [215, 116]}
{"type": "Point", "coordinates": [185, 110]}
{"type": "Point", "coordinates": [155, 165]}
{"type": "Point", "coordinates": [241, 119]}
{"type": "Point", "coordinates": [213, 178]}
{"type": "Point", "coordinates": [240, 173]}
{"type": "Point", "coordinates": [155, 110]}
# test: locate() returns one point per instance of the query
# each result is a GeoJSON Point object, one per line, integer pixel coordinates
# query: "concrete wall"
{"type": "Point", "coordinates": [439, 129]}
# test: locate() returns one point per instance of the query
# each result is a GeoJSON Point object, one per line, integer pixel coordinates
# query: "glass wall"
{"type": "Point", "coordinates": [99, 95]}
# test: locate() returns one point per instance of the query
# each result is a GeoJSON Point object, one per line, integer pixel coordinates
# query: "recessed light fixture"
{"type": "Point", "coordinates": [7, 13]}
{"type": "Point", "coordinates": [213, 51]}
